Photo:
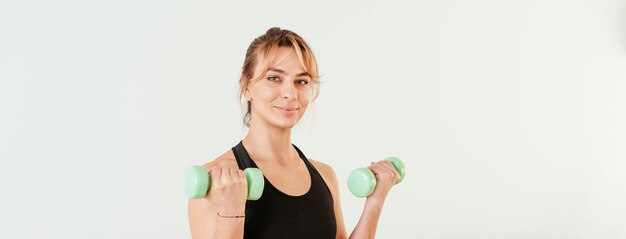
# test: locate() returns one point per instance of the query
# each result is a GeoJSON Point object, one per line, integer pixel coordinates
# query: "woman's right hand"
{"type": "Point", "coordinates": [229, 191]}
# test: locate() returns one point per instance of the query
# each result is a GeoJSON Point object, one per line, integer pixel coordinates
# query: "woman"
{"type": "Point", "coordinates": [301, 196]}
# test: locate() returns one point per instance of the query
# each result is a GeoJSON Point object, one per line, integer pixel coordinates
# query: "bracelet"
{"type": "Point", "coordinates": [218, 214]}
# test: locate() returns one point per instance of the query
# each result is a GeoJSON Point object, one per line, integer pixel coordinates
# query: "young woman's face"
{"type": "Point", "coordinates": [282, 95]}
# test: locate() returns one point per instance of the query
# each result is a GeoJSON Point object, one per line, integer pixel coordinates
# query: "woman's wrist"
{"type": "Point", "coordinates": [231, 216]}
{"type": "Point", "coordinates": [374, 202]}
{"type": "Point", "coordinates": [231, 212]}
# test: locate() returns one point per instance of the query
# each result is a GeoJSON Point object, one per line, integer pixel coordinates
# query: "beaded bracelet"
{"type": "Point", "coordinates": [218, 214]}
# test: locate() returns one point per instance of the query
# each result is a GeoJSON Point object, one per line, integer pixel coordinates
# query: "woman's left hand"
{"type": "Point", "coordinates": [386, 176]}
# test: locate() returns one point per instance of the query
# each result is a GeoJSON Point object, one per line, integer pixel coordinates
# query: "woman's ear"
{"type": "Point", "coordinates": [246, 93]}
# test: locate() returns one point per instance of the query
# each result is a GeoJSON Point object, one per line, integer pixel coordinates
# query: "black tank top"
{"type": "Point", "coordinates": [278, 215]}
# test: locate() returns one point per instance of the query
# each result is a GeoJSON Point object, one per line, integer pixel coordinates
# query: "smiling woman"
{"type": "Point", "coordinates": [279, 47]}
{"type": "Point", "coordinates": [301, 196]}
{"type": "Point", "coordinates": [284, 88]}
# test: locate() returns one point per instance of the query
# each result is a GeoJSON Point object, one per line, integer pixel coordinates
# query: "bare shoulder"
{"type": "Point", "coordinates": [226, 160]}
{"type": "Point", "coordinates": [325, 170]}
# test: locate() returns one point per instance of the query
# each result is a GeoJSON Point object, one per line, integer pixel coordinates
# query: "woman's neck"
{"type": "Point", "coordinates": [270, 144]}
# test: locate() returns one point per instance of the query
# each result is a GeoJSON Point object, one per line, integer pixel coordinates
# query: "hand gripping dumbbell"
{"type": "Point", "coordinates": [362, 181]}
{"type": "Point", "coordinates": [198, 182]}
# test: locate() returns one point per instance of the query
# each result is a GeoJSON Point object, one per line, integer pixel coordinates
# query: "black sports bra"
{"type": "Point", "coordinates": [278, 215]}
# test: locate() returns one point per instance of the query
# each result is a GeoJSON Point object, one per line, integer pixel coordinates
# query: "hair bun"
{"type": "Point", "coordinates": [275, 31]}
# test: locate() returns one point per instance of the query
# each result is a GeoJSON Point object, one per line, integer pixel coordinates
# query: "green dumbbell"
{"type": "Point", "coordinates": [198, 182]}
{"type": "Point", "coordinates": [362, 181]}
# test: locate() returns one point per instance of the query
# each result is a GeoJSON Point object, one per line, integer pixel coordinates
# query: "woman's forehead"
{"type": "Point", "coordinates": [287, 62]}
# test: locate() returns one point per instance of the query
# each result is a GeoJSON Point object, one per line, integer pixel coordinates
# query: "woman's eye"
{"type": "Point", "coordinates": [272, 78]}
{"type": "Point", "coordinates": [303, 82]}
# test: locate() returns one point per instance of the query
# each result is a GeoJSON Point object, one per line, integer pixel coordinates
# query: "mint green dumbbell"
{"type": "Point", "coordinates": [362, 181]}
{"type": "Point", "coordinates": [198, 182]}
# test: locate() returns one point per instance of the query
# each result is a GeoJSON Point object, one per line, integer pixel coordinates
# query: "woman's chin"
{"type": "Point", "coordinates": [286, 125]}
{"type": "Point", "coordinates": [286, 122]}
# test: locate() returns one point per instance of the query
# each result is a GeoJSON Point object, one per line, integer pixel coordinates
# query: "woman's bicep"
{"type": "Point", "coordinates": [201, 216]}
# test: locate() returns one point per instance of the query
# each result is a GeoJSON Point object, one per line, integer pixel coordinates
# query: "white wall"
{"type": "Point", "coordinates": [509, 115]}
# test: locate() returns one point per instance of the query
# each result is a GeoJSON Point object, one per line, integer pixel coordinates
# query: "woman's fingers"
{"type": "Point", "coordinates": [384, 170]}
{"type": "Point", "coordinates": [389, 166]}
{"type": "Point", "coordinates": [216, 175]}
{"type": "Point", "coordinates": [228, 190]}
{"type": "Point", "coordinates": [226, 178]}
{"type": "Point", "coordinates": [236, 175]}
{"type": "Point", "coordinates": [221, 177]}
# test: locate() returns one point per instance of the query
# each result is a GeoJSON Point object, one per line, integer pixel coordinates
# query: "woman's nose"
{"type": "Point", "coordinates": [289, 91]}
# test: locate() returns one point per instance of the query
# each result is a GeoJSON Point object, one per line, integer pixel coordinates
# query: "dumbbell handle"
{"type": "Point", "coordinates": [362, 181]}
{"type": "Point", "coordinates": [198, 182]}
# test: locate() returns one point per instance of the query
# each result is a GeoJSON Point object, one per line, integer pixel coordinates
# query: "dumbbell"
{"type": "Point", "coordinates": [362, 181]}
{"type": "Point", "coordinates": [198, 182]}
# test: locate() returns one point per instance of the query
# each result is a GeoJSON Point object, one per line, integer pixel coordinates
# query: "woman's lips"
{"type": "Point", "coordinates": [287, 108]}
{"type": "Point", "coordinates": [288, 111]}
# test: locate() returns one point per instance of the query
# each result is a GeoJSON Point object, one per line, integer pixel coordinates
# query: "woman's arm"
{"type": "Point", "coordinates": [204, 222]}
{"type": "Point", "coordinates": [386, 176]}
{"type": "Point", "coordinates": [366, 227]}
{"type": "Point", "coordinates": [226, 196]}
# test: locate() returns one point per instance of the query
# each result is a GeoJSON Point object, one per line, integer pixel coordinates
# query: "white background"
{"type": "Point", "coordinates": [509, 115]}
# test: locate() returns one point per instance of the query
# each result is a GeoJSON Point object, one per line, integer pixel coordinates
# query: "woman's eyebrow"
{"type": "Point", "coordinates": [283, 72]}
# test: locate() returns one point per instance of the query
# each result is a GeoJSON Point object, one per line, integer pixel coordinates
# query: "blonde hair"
{"type": "Point", "coordinates": [261, 54]}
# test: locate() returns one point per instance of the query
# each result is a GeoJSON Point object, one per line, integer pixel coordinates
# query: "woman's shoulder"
{"type": "Point", "coordinates": [226, 160]}
{"type": "Point", "coordinates": [326, 170]}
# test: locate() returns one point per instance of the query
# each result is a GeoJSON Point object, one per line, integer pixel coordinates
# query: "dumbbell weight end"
{"type": "Point", "coordinates": [362, 181]}
{"type": "Point", "coordinates": [198, 182]}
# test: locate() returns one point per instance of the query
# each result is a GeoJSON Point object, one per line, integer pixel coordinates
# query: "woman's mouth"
{"type": "Point", "coordinates": [288, 111]}
{"type": "Point", "coordinates": [288, 108]}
